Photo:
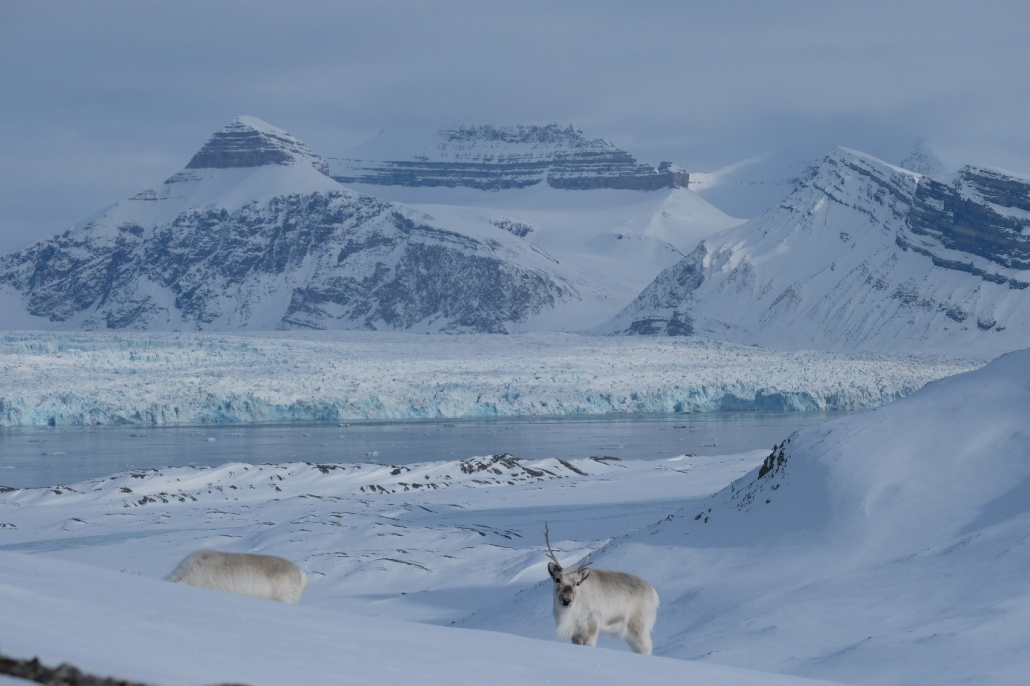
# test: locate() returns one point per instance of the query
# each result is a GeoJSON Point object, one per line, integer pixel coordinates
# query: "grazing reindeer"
{"type": "Point", "coordinates": [592, 601]}
{"type": "Point", "coordinates": [261, 576]}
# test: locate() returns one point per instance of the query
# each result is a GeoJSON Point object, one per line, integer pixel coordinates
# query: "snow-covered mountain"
{"type": "Point", "coordinates": [253, 234]}
{"type": "Point", "coordinates": [861, 255]}
{"type": "Point", "coordinates": [494, 158]}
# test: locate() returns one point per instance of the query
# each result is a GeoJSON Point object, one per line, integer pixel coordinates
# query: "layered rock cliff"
{"type": "Point", "coordinates": [495, 158]}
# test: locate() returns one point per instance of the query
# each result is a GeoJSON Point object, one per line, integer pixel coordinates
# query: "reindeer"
{"type": "Point", "coordinates": [592, 601]}
{"type": "Point", "coordinates": [261, 576]}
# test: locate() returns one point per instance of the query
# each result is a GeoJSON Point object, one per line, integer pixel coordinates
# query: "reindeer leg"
{"type": "Point", "coordinates": [587, 635]}
{"type": "Point", "coordinates": [638, 639]}
{"type": "Point", "coordinates": [591, 633]}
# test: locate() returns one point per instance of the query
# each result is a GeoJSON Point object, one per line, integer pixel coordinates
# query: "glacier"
{"type": "Point", "coordinates": [94, 378]}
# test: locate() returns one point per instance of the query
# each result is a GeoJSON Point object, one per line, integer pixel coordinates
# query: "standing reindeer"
{"type": "Point", "coordinates": [592, 601]}
{"type": "Point", "coordinates": [261, 576]}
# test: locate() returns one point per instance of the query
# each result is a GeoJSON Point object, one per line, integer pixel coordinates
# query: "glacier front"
{"type": "Point", "coordinates": [81, 378]}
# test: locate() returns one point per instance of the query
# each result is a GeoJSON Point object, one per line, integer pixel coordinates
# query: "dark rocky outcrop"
{"type": "Point", "coordinates": [62, 675]}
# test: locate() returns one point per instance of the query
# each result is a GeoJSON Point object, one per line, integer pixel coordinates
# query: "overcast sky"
{"type": "Point", "coordinates": [99, 100]}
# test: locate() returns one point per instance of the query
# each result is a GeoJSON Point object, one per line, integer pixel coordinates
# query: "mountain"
{"type": "Point", "coordinates": [861, 255]}
{"type": "Point", "coordinates": [923, 160]}
{"type": "Point", "coordinates": [253, 234]}
{"type": "Point", "coordinates": [495, 158]}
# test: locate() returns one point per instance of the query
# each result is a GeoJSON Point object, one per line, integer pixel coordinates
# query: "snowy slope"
{"type": "Point", "coordinates": [749, 187]}
{"type": "Point", "coordinates": [618, 239]}
{"type": "Point", "coordinates": [253, 235]}
{"type": "Point", "coordinates": [129, 627]}
{"type": "Point", "coordinates": [862, 255]}
{"type": "Point", "coordinates": [89, 378]}
{"type": "Point", "coordinates": [887, 548]}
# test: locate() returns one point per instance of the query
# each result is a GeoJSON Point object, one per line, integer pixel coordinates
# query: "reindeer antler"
{"type": "Point", "coordinates": [550, 552]}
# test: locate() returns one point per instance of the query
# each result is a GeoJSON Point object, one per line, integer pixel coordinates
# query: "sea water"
{"type": "Point", "coordinates": [64, 455]}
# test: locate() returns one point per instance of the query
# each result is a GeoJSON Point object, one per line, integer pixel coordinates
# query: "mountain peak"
{"type": "Point", "coordinates": [923, 159]}
{"type": "Point", "coordinates": [251, 142]}
{"type": "Point", "coordinates": [828, 170]}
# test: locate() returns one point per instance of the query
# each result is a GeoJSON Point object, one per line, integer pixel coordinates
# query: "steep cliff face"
{"type": "Point", "coordinates": [980, 212]}
{"type": "Point", "coordinates": [496, 158]}
{"type": "Point", "coordinates": [861, 255]}
{"type": "Point", "coordinates": [253, 235]}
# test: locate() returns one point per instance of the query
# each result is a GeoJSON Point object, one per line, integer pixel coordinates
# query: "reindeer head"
{"type": "Point", "coordinates": [566, 581]}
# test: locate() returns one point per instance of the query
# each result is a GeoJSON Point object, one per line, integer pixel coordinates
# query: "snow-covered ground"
{"type": "Point", "coordinates": [888, 547]}
{"type": "Point", "coordinates": [432, 543]}
{"type": "Point", "coordinates": [148, 630]}
{"type": "Point", "coordinates": [178, 378]}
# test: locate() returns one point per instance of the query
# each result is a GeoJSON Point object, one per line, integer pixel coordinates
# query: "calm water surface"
{"type": "Point", "coordinates": [50, 456]}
